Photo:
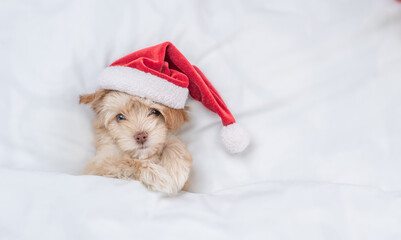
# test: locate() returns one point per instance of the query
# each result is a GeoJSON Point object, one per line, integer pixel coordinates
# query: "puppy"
{"type": "Point", "coordinates": [134, 140]}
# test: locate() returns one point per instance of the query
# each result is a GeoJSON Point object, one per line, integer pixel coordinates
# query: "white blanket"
{"type": "Point", "coordinates": [317, 83]}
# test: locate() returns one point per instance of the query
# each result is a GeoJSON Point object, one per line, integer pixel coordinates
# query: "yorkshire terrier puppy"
{"type": "Point", "coordinates": [134, 140]}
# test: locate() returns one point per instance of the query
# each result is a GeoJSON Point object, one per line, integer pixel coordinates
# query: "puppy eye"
{"type": "Point", "coordinates": [120, 117]}
{"type": "Point", "coordinates": [154, 112]}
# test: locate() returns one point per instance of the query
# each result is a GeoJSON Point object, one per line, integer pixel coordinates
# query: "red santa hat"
{"type": "Point", "coordinates": [161, 73]}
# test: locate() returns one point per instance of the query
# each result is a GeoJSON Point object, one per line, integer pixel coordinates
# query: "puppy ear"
{"type": "Point", "coordinates": [175, 118]}
{"type": "Point", "coordinates": [91, 98]}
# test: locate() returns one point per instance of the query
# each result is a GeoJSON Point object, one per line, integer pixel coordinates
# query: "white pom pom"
{"type": "Point", "coordinates": [234, 138]}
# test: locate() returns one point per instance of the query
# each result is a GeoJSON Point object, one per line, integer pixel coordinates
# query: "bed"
{"type": "Point", "coordinates": [316, 83]}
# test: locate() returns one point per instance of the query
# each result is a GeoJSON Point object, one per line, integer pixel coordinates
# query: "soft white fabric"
{"type": "Point", "coordinates": [138, 83]}
{"type": "Point", "coordinates": [316, 83]}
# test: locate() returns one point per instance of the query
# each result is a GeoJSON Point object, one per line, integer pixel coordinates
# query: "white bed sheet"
{"type": "Point", "coordinates": [317, 83]}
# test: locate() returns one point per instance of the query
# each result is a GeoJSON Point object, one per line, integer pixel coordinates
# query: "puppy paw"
{"type": "Point", "coordinates": [156, 178]}
{"type": "Point", "coordinates": [177, 161]}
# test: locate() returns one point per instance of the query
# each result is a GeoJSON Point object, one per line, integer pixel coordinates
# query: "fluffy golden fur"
{"type": "Point", "coordinates": [134, 140]}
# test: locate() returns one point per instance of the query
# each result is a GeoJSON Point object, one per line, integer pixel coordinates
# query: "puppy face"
{"type": "Point", "coordinates": [138, 126]}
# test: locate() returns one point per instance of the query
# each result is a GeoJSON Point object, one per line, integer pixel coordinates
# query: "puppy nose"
{"type": "Point", "coordinates": [141, 137]}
